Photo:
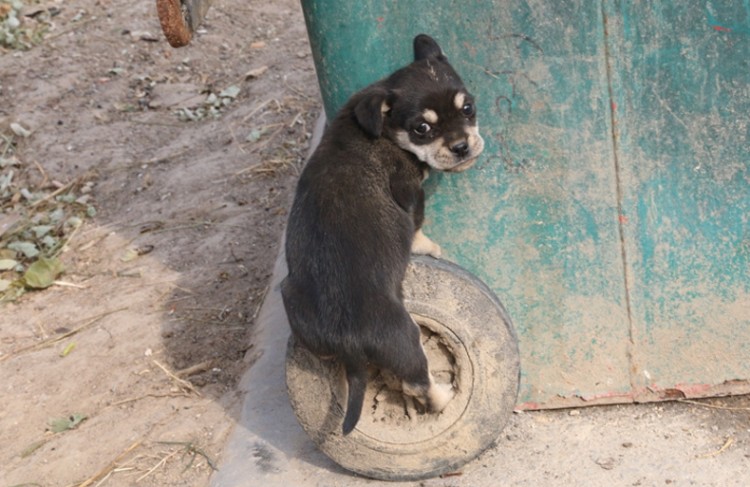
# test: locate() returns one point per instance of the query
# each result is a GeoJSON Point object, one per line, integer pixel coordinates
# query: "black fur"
{"type": "Point", "coordinates": [357, 207]}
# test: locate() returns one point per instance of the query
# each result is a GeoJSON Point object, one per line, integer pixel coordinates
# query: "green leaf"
{"type": "Point", "coordinates": [7, 264]}
{"type": "Point", "coordinates": [49, 241]}
{"type": "Point", "coordinates": [29, 450]}
{"type": "Point", "coordinates": [130, 254]}
{"type": "Point", "coordinates": [230, 92]}
{"type": "Point", "coordinates": [68, 349]}
{"type": "Point", "coordinates": [41, 230]}
{"type": "Point", "coordinates": [57, 215]}
{"type": "Point", "coordinates": [211, 99]}
{"type": "Point", "coordinates": [72, 223]}
{"type": "Point", "coordinates": [26, 248]}
{"type": "Point", "coordinates": [255, 135]}
{"type": "Point", "coordinates": [68, 423]}
{"type": "Point", "coordinates": [66, 198]}
{"type": "Point", "coordinates": [42, 273]}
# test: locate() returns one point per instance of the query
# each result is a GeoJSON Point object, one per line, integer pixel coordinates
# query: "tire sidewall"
{"type": "Point", "coordinates": [478, 322]}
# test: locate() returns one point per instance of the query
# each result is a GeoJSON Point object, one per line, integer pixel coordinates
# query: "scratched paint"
{"type": "Point", "coordinates": [610, 209]}
{"type": "Point", "coordinates": [684, 132]}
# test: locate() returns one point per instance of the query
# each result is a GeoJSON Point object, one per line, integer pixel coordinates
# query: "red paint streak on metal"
{"type": "Point", "coordinates": [652, 393]}
{"type": "Point", "coordinates": [692, 390]}
{"type": "Point", "coordinates": [627, 396]}
{"type": "Point", "coordinates": [623, 219]}
{"type": "Point", "coordinates": [526, 406]}
{"type": "Point", "coordinates": [613, 106]}
{"type": "Point", "coordinates": [719, 28]}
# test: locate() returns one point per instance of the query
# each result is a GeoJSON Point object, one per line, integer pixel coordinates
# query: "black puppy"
{"type": "Point", "coordinates": [357, 215]}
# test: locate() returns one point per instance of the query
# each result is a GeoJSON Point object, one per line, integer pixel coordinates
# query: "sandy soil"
{"type": "Point", "coordinates": [147, 339]}
{"type": "Point", "coordinates": [125, 372]}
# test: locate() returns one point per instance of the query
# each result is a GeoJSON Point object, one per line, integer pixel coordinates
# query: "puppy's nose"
{"type": "Point", "coordinates": [460, 149]}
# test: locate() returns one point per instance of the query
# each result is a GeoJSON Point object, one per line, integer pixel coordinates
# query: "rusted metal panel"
{"type": "Point", "coordinates": [179, 19]}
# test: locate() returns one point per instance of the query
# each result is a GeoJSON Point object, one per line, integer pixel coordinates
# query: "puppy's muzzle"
{"type": "Point", "coordinates": [460, 149]}
{"type": "Point", "coordinates": [466, 154]}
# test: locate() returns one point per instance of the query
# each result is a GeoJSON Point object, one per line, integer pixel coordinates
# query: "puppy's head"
{"type": "Point", "coordinates": [425, 109]}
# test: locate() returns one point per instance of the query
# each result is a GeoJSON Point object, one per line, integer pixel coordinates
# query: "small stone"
{"type": "Point", "coordinates": [606, 463]}
{"type": "Point", "coordinates": [20, 130]}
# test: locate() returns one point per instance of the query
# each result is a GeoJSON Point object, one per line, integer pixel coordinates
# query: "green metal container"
{"type": "Point", "coordinates": [610, 210]}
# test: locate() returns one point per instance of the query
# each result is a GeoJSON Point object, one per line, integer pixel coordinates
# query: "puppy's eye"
{"type": "Point", "coordinates": [468, 110]}
{"type": "Point", "coordinates": [422, 128]}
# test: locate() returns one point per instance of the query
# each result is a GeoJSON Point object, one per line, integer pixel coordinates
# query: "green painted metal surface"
{"type": "Point", "coordinates": [610, 209]}
{"type": "Point", "coordinates": [682, 89]}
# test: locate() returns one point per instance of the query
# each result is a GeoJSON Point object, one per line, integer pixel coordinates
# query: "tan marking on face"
{"type": "Point", "coordinates": [430, 116]}
{"type": "Point", "coordinates": [435, 154]}
{"type": "Point", "coordinates": [385, 107]}
{"type": "Point", "coordinates": [438, 156]}
{"type": "Point", "coordinates": [459, 100]}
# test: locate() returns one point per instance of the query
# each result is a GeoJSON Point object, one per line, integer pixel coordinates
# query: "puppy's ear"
{"type": "Point", "coordinates": [425, 47]}
{"type": "Point", "coordinates": [370, 111]}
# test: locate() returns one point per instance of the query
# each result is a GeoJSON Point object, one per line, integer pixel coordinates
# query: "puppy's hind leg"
{"type": "Point", "coordinates": [439, 395]}
{"type": "Point", "coordinates": [433, 395]}
{"type": "Point", "coordinates": [409, 362]}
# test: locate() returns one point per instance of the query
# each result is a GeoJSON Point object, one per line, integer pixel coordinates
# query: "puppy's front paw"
{"type": "Point", "coordinates": [422, 245]}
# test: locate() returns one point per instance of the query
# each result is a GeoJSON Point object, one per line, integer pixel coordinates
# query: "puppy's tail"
{"type": "Point", "coordinates": [356, 377]}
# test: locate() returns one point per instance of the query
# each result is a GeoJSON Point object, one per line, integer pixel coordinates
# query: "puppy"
{"type": "Point", "coordinates": [357, 215]}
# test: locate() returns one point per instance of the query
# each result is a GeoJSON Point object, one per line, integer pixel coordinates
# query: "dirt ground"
{"type": "Point", "coordinates": [176, 169]}
{"type": "Point", "coordinates": [145, 333]}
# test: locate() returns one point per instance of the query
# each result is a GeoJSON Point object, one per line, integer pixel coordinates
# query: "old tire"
{"type": "Point", "coordinates": [469, 340]}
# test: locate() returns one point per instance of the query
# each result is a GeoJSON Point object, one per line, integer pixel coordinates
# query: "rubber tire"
{"type": "Point", "coordinates": [472, 319]}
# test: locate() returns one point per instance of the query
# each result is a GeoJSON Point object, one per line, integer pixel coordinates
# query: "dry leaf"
{"type": "Point", "coordinates": [256, 72]}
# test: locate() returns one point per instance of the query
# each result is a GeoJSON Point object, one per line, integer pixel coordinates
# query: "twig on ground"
{"type": "Point", "coordinates": [194, 369]}
{"type": "Point", "coordinates": [133, 399]}
{"type": "Point", "coordinates": [159, 464]}
{"type": "Point", "coordinates": [69, 284]}
{"type": "Point", "coordinates": [183, 227]}
{"type": "Point", "coordinates": [43, 173]}
{"type": "Point", "coordinates": [182, 383]}
{"type": "Point", "coordinates": [91, 243]}
{"type": "Point", "coordinates": [193, 450]}
{"type": "Point", "coordinates": [721, 450]}
{"type": "Point", "coordinates": [258, 108]}
{"type": "Point", "coordinates": [111, 466]}
{"type": "Point", "coordinates": [52, 341]}
{"type": "Point", "coordinates": [260, 302]}
{"type": "Point", "coordinates": [75, 27]}
{"type": "Point", "coordinates": [56, 192]}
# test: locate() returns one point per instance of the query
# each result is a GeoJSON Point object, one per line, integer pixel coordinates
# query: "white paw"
{"type": "Point", "coordinates": [440, 396]}
{"type": "Point", "coordinates": [422, 245]}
